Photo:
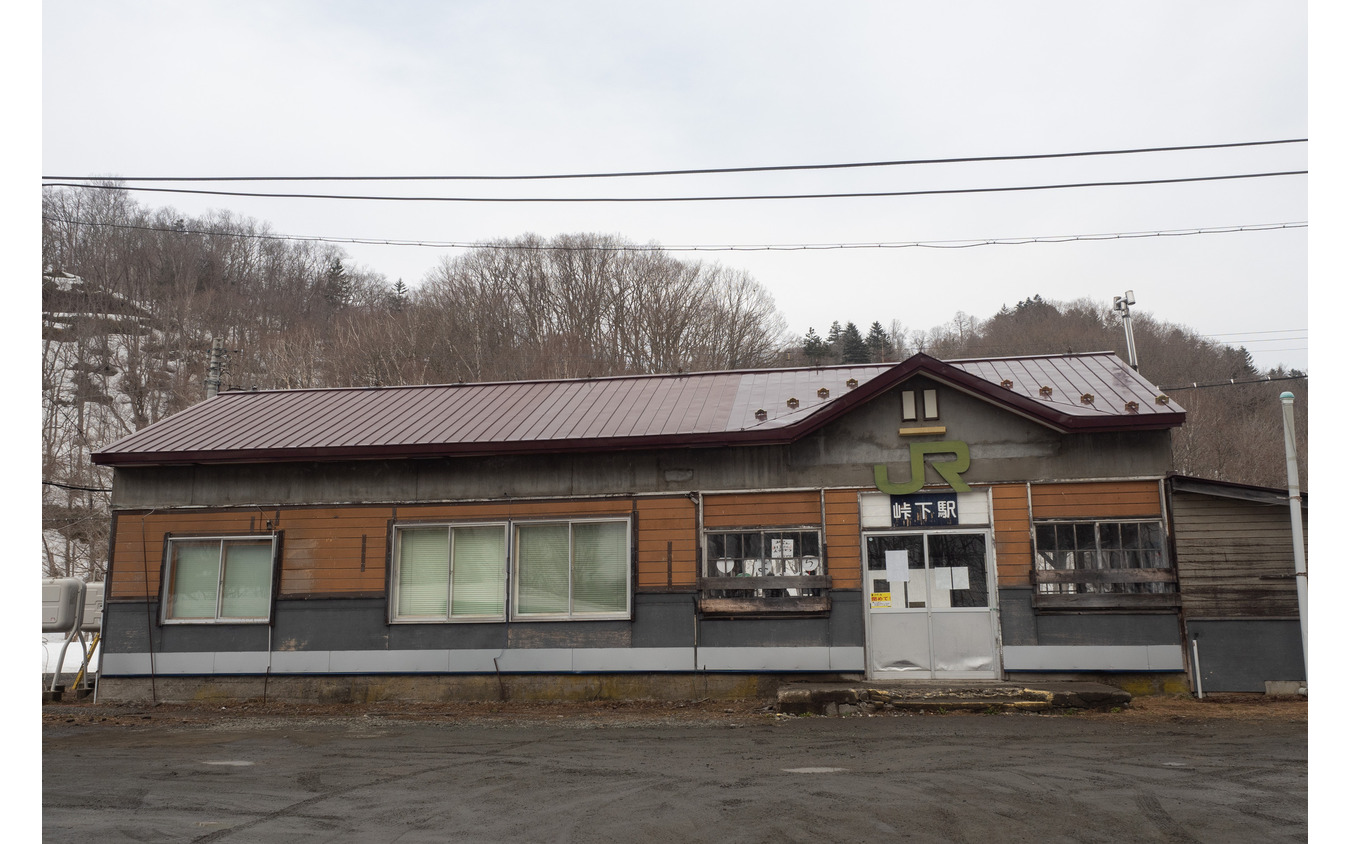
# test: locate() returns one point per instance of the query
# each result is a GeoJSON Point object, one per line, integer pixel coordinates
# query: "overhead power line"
{"type": "Point", "coordinates": [798, 247]}
{"type": "Point", "coordinates": [1260, 340]}
{"type": "Point", "coordinates": [687, 172]}
{"type": "Point", "coordinates": [79, 488]}
{"type": "Point", "coordinates": [1232, 382]}
{"type": "Point", "coordinates": [708, 198]}
{"type": "Point", "coordinates": [1273, 331]}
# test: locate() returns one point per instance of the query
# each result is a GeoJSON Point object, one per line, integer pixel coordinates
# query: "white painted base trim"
{"type": "Point", "coordinates": [513, 661]}
{"type": "Point", "coordinates": [1092, 658]}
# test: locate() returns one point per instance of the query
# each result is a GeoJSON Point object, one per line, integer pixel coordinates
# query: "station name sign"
{"type": "Point", "coordinates": [933, 509]}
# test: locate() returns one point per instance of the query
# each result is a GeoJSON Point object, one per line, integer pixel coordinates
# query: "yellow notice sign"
{"type": "Point", "coordinates": [881, 600]}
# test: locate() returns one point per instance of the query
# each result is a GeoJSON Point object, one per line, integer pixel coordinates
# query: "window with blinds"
{"type": "Point", "coordinates": [450, 572]}
{"type": "Point", "coordinates": [219, 579]}
{"type": "Point", "coordinates": [559, 570]}
{"type": "Point", "coordinates": [574, 569]}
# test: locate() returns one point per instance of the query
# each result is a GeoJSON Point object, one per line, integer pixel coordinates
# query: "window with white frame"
{"type": "Point", "coordinates": [219, 579]}
{"type": "Point", "coordinates": [572, 569]}
{"type": "Point", "coordinates": [1097, 548]}
{"type": "Point", "coordinates": [559, 570]}
{"type": "Point", "coordinates": [449, 573]}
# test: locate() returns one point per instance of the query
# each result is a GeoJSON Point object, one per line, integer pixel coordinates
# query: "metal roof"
{"type": "Point", "coordinates": [645, 411]}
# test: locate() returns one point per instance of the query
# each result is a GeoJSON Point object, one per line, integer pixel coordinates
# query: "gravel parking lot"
{"type": "Point", "coordinates": [1170, 770]}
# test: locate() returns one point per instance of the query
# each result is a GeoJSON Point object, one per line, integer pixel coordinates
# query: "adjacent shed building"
{"type": "Point", "coordinates": [674, 534]}
{"type": "Point", "coordinates": [1234, 549]}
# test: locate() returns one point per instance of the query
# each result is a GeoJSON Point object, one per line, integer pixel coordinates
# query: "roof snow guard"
{"type": "Point", "coordinates": [1090, 392]}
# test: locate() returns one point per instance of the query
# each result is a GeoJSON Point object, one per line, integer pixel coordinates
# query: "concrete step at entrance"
{"type": "Point", "coordinates": [866, 697]}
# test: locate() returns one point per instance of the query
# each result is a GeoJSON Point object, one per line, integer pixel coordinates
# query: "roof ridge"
{"type": "Point", "coordinates": [632, 377]}
{"type": "Point", "coordinates": [1112, 353]}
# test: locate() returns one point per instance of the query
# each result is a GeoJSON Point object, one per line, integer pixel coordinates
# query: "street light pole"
{"type": "Point", "coordinates": [1296, 522]}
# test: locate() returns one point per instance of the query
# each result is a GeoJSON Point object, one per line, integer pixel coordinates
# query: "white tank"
{"type": "Point", "coordinates": [93, 608]}
{"type": "Point", "coordinates": [61, 603]}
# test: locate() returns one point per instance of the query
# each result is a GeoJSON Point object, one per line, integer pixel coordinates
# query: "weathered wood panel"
{"type": "Point", "coordinates": [493, 510]}
{"type": "Point", "coordinates": [842, 537]}
{"type": "Point", "coordinates": [1120, 499]}
{"type": "Point", "coordinates": [762, 509]}
{"type": "Point", "coordinates": [1235, 559]}
{"type": "Point", "coordinates": [667, 543]}
{"type": "Point", "coordinates": [333, 550]}
{"type": "Point", "coordinates": [1012, 535]}
{"type": "Point", "coordinates": [138, 547]}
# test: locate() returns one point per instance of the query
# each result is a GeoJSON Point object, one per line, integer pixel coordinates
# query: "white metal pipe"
{"type": "Point", "coordinates": [1195, 651]}
{"type": "Point", "coordinates": [1296, 523]}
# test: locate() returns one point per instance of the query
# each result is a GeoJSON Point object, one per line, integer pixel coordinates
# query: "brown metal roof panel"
{"type": "Point", "coordinates": [594, 406]}
{"type": "Point", "coordinates": [220, 423]}
{"type": "Point", "coordinates": [493, 409]}
{"type": "Point", "coordinates": [497, 410]}
{"type": "Point", "coordinates": [380, 414]}
{"type": "Point", "coordinates": [153, 434]}
{"type": "Point", "coordinates": [1109, 394]}
{"type": "Point", "coordinates": [626, 421]}
{"type": "Point", "coordinates": [461, 411]}
{"type": "Point", "coordinates": [707, 409]}
{"type": "Point", "coordinates": [434, 407]}
{"type": "Point", "coordinates": [654, 407]}
{"type": "Point", "coordinates": [549, 414]}
{"type": "Point", "coordinates": [614, 416]}
{"type": "Point", "coordinates": [338, 419]}
{"type": "Point", "coordinates": [666, 399]}
{"type": "Point", "coordinates": [287, 418]}
{"type": "Point", "coordinates": [1070, 383]}
{"type": "Point", "coordinates": [585, 407]}
{"type": "Point", "coordinates": [321, 421]}
{"type": "Point", "coordinates": [549, 418]}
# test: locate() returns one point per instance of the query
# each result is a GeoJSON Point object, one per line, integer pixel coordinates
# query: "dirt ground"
{"type": "Point", "coordinates": [1144, 709]}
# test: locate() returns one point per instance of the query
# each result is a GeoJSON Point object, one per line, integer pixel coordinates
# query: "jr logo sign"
{"type": "Point", "coordinates": [950, 470]}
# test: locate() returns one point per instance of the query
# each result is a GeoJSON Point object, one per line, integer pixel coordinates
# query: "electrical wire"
{"type": "Point", "coordinates": [690, 172]}
{"type": "Point", "coordinates": [1233, 382]}
{"type": "Point", "coordinates": [931, 244]}
{"type": "Point", "coordinates": [706, 198]}
{"type": "Point", "coordinates": [1259, 340]}
{"type": "Point", "coordinates": [1244, 333]}
{"type": "Point", "coordinates": [80, 488]}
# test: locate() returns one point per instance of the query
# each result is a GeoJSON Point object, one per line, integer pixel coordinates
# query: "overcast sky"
{"type": "Point", "coordinates": [392, 88]}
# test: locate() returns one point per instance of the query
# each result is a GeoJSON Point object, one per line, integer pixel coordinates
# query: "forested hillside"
{"type": "Point", "coordinates": [133, 298]}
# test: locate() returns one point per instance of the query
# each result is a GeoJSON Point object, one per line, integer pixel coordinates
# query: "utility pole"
{"type": "Point", "coordinates": [1296, 522]}
{"type": "Point", "coordinates": [1121, 305]}
{"type": "Point", "coordinates": [213, 373]}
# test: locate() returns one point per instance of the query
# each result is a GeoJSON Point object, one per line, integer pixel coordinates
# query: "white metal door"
{"type": "Point", "coordinates": [931, 612]}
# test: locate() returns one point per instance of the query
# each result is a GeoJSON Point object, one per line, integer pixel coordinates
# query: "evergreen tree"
{"type": "Point", "coordinates": [814, 348]}
{"type": "Point", "coordinates": [398, 296]}
{"type": "Point", "coordinates": [879, 346]}
{"type": "Point", "coordinates": [337, 285]}
{"type": "Point", "coordinates": [852, 346]}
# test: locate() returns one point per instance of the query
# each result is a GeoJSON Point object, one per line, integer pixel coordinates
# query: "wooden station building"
{"type": "Point", "coordinates": [690, 534]}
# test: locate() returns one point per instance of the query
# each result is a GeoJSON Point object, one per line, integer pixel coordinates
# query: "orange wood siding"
{"type": "Point", "coordinates": [322, 546]}
{"type": "Point", "coordinates": [1012, 534]}
{"type": "Point", "coordinates": [761, 509]}
{"type": "Point", "coordinates": [1122, 499]}
{"type": "Point", "coordinates": [493, 510]}
{"type": "Point", "coordinates": [667, 539]}
{"type": "Point", "coordinates": [842, 537]}
{"type": "Point", "coordinates": [322, 550]}
{"type": "Point", "coordinates": [138, 547]}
